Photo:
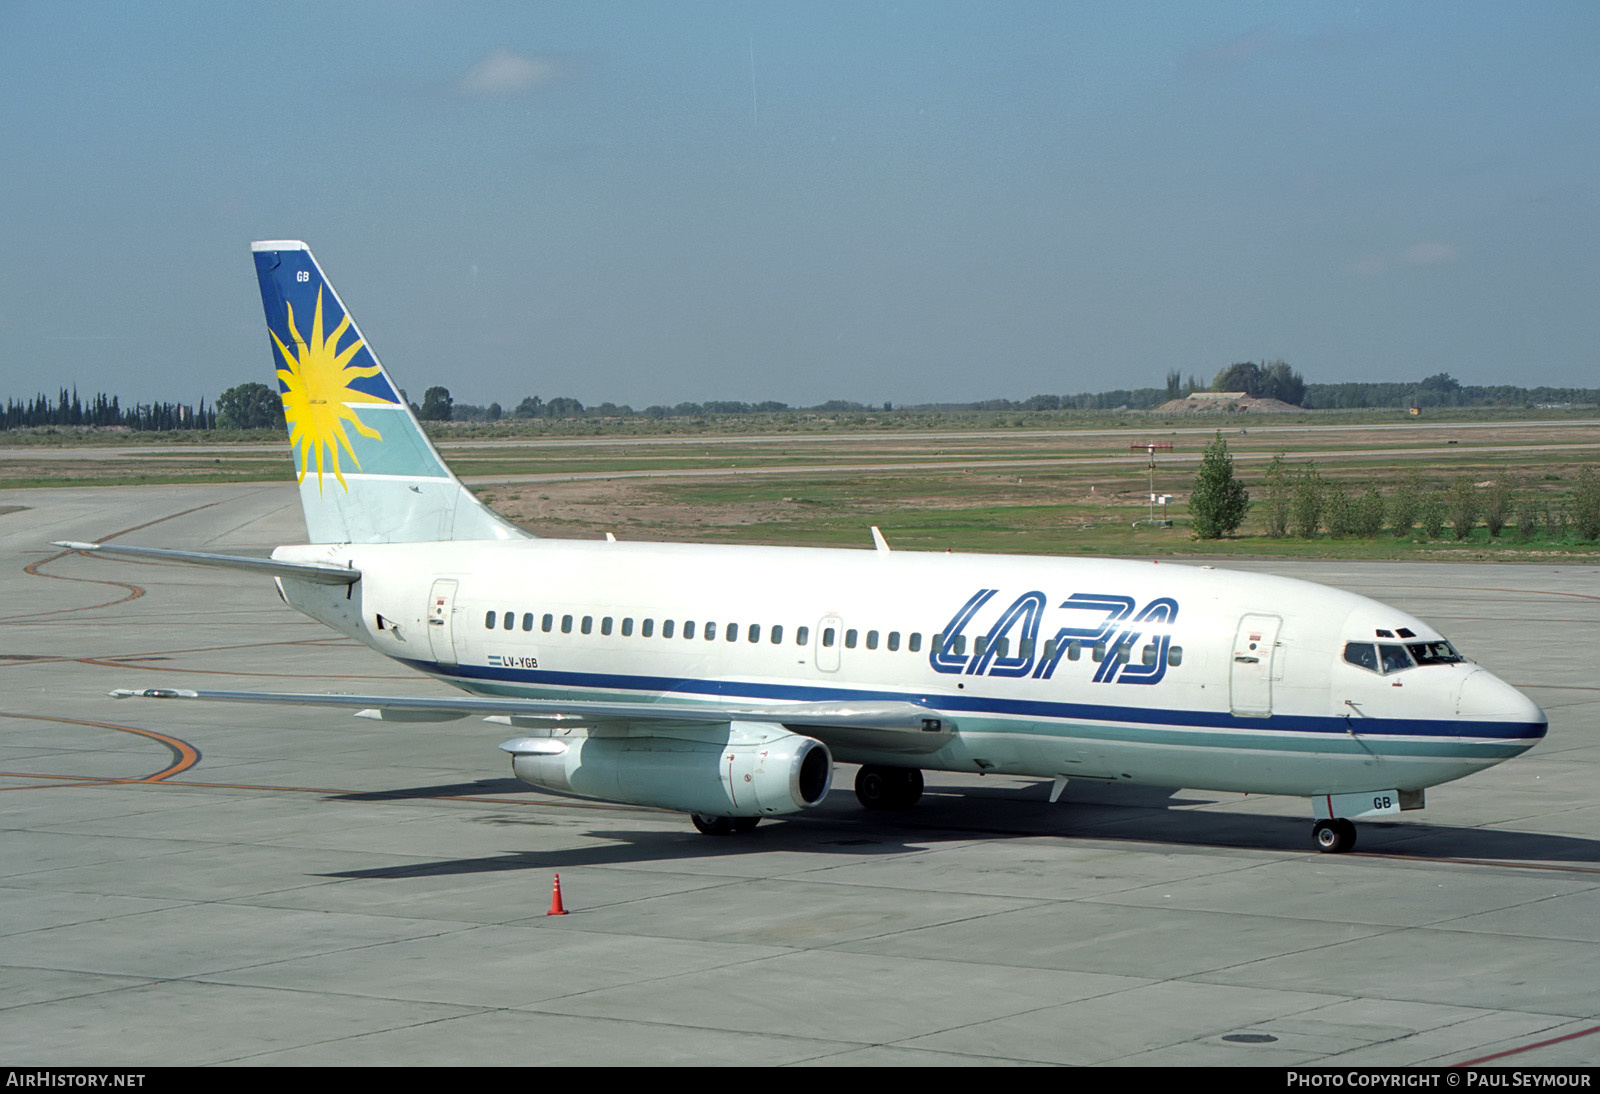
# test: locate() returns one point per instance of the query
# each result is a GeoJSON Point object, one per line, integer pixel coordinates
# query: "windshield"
{"type": "Point", "coordinates": [1434, 653]}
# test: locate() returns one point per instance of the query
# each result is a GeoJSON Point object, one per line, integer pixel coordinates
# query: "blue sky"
{"type": "Point", "coordinates": [652, 203]}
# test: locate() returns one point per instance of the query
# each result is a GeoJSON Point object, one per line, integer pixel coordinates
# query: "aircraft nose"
{"type": "Point", "coordinates": [1484, 697]}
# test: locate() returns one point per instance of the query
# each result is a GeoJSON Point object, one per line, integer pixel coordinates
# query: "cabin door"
{"type": "Point", "coordinates": [1254, 649]}
{"type": "Point", "coordinates": [441, 621]}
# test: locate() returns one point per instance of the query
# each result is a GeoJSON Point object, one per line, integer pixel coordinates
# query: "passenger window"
{"type": "Point", "coordinates": [872, 640]}
{"type": "Point", "coordinates": [1075, 651]}
{"type": "Point", "coordinates": [648, 629]}
{"type": "Point", "coordinates": [527, 621]}
{"type": "Point", "coordinates": [1025, 649]}
{"type": "Point", "coordinates": [1175, 656]}
{"type": "Point", "coordinates": [510, 620]}
{"type": "Point", "coordinates": [731, 632]}
{"type": "Point", "coordinates": [711, 632]}
{"type": "Point", "coordinates": [566, 624]}
{"type": "Point", "coordinates": [827, 637]}
{"type": "Point", "coordinates": [605, 625]}
{"type": "Point", "coordinates": [961, 645]}
{"type": "Point", "coordinates": [915, 644]}
{"type": "Point", "coordinates": [1002, 647]}
{"type": "Point", "coordinates": [627, 626]}
{"type": "Point", "coordinates": [802, 636]}
{"type": "Point", "coordinates": [777, 634]}
{"type": "Point", "coordinates": [894, 641]}
{"type": "Point", "coordinates": [1123, 654]}
{"type": "Point", "coordinates": [1149, 654]}
{"type": "Point", "coordinates": [546, 623]}
{"type": "Point", "coordinates": [688, 628]}
{"type": "Point", "coordinates": [488, 621]}
{"type": "Point", "coordinates": [980, 645]}
{"type": "Point", "coordinates": [588, 624]}
{"type": "Point", "coordinates": [1361, 655]}
{"type": "Point", "coordinates": [755, 632]}
{"type": "Point", "coordinates": [1049, 649]}
{"type": "Point", "coordinates": [850, 639]}
{"type": "Point", "coordinates": [666, 628]}
{"type": "Point", "coordinates": [1099, 653]}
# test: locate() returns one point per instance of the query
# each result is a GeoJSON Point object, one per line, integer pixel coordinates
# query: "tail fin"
{"type": "Point", "coordinates": [367, 471]}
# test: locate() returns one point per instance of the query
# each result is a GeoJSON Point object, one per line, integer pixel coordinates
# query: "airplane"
{"type": "Point", "coordinates": [726, 681]}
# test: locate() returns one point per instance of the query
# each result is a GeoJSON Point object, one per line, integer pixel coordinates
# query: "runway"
{"type": "Point", "coordinates": [183, 884]}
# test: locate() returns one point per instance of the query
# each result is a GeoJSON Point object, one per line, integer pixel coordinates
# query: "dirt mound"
{"type": "Point", "coordinates": [1224, 402]}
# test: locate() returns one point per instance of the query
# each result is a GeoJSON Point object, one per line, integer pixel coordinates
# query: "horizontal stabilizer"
{"type": "Point", "coordinates": [269, 567]}
{"type": "Point", "coordinates": [896, 727]}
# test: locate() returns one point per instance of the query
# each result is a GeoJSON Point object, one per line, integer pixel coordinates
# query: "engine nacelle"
{"type": "Point", "coordinates": [754, 769]}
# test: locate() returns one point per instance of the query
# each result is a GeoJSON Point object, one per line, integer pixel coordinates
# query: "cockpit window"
{"type": "Point", "coordinates": [1393, 658]}
{"type": "Point", "coordinates": [1362, 655]}
{"type": "Point", "coordinates": [1434, 653]}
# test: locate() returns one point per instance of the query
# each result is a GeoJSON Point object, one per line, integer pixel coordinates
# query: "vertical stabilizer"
{"type": "Point", "coordinates": [368, 473]}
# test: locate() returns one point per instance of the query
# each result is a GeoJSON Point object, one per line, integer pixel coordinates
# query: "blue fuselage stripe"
{"type": "Point", "coordinates": [744, 690]}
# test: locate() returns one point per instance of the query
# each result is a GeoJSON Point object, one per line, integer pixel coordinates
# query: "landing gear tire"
{"type": "Point", "coordinates": [722, 826]}
{"type": "Point", "coordinates": [708, 825]}
{"type": "Point", "coordinates": [1334, 837]}
{"type": "Point", "coordinates": [879, 787]}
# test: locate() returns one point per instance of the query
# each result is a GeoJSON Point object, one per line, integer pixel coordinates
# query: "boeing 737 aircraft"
{"type": "Point", "coordinates": [726, 681]}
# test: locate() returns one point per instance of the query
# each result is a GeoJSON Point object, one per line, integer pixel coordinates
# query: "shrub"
{"type": "Point", "coordinates": [1366, 514]}
{"type": "Point", "coordinates": [1305, 509]}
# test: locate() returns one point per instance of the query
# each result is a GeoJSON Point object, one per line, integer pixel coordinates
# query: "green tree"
{"type": "Point", "coordinates": [1527, 519]}
{"type": "Point", "coordinates": [1219, 501]}
{"type": "Point", "coordinates": [1431, 512]}
{"type": "Point", "coordinates": [1463, 507]}
{"type": "Point", "coordinates": [1244, 376]}
{"type": "Point", "coordinates": [1337, 517]}
{"type": "Point", "coordinates": [250, 406]}
{"type": "Point", "coordinates": [563, 407]}
{"type": "Point", "coordinates": [1366, 514]}
{"type": "Point", "coordinates": [1497, 506]}
{"type": "Point", "coordinates": [436, 405]}
{"type": "Point", "coordinates": [1279, 381]}
{"type": "Point", "coordinates": [1279, 491]}
{"type": "Point", "coordinates": [1585, 504]}
{"type": "Point", "coordinates": [1403, 506]}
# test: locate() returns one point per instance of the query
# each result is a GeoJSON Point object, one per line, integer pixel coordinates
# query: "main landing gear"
{"type": "Point", "coordinates": [1334, 837]}
{"type": "Point", "coordinates": [706, 824]}
{"type": "Point", "coordinates": [880, 787]}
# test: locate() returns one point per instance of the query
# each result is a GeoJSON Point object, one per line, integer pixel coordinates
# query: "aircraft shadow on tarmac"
{"type": "Point", "coordinates": [1140, 815]}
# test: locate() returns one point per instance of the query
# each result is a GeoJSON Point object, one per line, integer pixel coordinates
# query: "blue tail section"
{"type": "Point", "coordinates": [367, 472]}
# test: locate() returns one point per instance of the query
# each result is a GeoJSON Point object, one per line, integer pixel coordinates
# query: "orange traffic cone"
{"type": "Point", "coordinates": [556, 907]}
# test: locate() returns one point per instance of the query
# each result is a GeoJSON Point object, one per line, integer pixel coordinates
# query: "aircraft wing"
{"type": "Point", "coordinates": [270, 567]}
{"type": "Point", "coordinates": [880, 726]}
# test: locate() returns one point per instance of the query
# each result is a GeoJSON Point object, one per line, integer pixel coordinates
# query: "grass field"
{"type": "Point", "coordinates": [1078, 490]}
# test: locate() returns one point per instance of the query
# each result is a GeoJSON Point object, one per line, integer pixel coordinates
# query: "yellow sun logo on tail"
{"type": "Point", "coordinates": [316, 389]}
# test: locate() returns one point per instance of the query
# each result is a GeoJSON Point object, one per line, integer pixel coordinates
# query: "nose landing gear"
{"type": "Point", "coordinates": [1334, 837]}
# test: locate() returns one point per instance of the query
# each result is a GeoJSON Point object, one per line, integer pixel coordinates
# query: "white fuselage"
{"type": "Point", "coordinates": [1134, 672]}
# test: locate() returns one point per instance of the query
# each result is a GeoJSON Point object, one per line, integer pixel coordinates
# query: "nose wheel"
{"type": "Point", "coordinates": [1334, 837]}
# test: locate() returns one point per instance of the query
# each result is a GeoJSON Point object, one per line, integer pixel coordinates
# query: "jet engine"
{"type": "Point", "coordinates": [743, 769]}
